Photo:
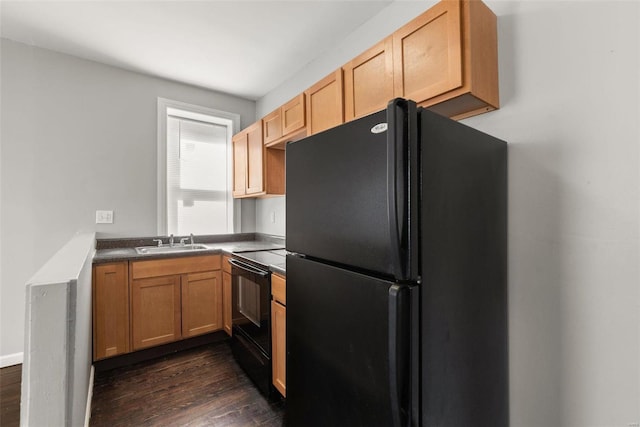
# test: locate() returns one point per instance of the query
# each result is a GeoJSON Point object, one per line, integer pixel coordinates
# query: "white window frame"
{"type": "Point", "coordinates": [226, 118]}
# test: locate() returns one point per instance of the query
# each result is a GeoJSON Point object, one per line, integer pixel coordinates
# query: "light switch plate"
{"type": "Point", "coordinates": [104, 217]}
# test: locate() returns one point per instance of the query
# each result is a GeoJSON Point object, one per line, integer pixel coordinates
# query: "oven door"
{"type": "Point", "coordinates": [251, 309]}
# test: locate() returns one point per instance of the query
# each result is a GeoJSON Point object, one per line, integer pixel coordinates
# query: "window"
{"type": "Point", "coordinates": [194, 170]}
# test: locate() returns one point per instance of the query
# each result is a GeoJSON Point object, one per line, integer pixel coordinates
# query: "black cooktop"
{"type": "Point", "coordinates": [264, 258]}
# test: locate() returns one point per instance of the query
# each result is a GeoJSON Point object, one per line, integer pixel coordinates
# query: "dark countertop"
{"type": "Point", "coordinates": [113, 250]}
{"type": "Point", "coordinates": [280, 269]}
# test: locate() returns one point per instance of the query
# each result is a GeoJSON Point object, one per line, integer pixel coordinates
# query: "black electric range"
{"type": "Point", "coordinates": [251, 312]}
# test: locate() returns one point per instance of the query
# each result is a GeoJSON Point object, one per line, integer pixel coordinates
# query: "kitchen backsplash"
{"type": "Point", "coordinates": [270, 216]}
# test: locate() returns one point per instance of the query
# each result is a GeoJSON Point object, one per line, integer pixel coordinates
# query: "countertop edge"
{"type": "Point", "coordinates": [129, 254]}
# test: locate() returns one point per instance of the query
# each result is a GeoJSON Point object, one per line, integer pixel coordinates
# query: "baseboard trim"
{"type": "Point", "coordinates": [11, 359]}
{"type": "Point", "coordinates": [87, 413]}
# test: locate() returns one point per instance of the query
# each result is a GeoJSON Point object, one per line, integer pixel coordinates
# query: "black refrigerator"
{"type": "Point", "coordinates": [396, 274]}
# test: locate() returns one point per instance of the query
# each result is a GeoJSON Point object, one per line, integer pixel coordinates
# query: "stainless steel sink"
{"type": "Point", "coordinates": [169, 249]}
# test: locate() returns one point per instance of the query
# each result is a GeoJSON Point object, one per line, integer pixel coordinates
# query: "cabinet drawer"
{"type": "Point", "coordinates": [170, 266]}
{"type": "Point", "coordinates": [279, 289]}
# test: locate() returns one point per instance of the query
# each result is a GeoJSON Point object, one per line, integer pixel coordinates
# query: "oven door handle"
{"type": "Point", "coordinates": [249, 268]}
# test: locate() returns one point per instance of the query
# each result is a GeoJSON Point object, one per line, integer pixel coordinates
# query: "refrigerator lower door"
{"type": "Point", "coordinates": [348, 352]}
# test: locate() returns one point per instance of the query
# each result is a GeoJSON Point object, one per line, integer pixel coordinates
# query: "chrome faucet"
{"type": "Point", "coordinates": [171, 240]}
{"type": "Point", "coordinates": [184, 239]}
{"type": "Point", "coordinates": [159, 242]}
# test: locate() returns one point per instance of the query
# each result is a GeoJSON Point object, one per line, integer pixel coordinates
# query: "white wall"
{"type": "Point", "coordinates": [270, 215]}
{"type": "Point", "coordinates": [374, 30]}
{"type": "Point", "coordinates": [76, 136]}
{"type": "Point", "coordinates": [570, 93]}
{"type": "Point", "coordinates": [57, 360]}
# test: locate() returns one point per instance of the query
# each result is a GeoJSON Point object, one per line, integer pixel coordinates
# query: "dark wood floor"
{"type": "Point", "coordinates": [198, 387]}
{"type": "Point", "coordinates": [10, 378]}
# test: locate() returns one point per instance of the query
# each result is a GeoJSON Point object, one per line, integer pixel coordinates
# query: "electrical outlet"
{"type": "Point", "coordinates": [104, 217]}
{"type": "Point", "coordinates": [273, 217]}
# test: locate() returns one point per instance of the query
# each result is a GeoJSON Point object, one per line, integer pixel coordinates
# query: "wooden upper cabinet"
{"type": "Point", "coordinates": [325, 107]}
{"type": "Point", "coordinates": [248, 162]}
{"type": "Point", "coordinates": [368, 81]}
{"type": "Point", "coordinates": [287, 123]}
{"type": "Point", "coordinates": [272, 127]}
{"type": "Point", "coordinates": [447, 59]}
{"type": "Point", "coordinates": [240, 153]}
{"type": "Point", "coordinates": [259, 168]}
{"type": "Point", "coordinates": [428, 53]}
{"type": "Point", "coordinates": [293, 115]}
{"type": "Point", "coordinates": [255, 168]}
{"type": "Point", "coordinates": [110, 310]}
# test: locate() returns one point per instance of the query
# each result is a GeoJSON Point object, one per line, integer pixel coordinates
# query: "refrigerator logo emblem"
{"type": "Point", "coordinates": [379, 128]}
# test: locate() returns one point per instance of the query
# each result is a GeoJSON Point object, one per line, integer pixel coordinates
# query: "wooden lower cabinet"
{"type": "Point", "coordinates": [201, 303]}
{"type": "Point", "coordinates": [145, 303]}
{"type": "Point", "coordinates": [279, 346]}
{"type": "Point", "coordinates": [155, 311]}
{"type": "Point", "coordinates": [227, 308]}
{"type": "Point", "coordinates": [279, 335]}
{"type": "Point", "coordinates": [226, 302]}
{"type": "Point", "coordinates": [168, 308]}
{"type": "Point", "coordinates": [110, 309]}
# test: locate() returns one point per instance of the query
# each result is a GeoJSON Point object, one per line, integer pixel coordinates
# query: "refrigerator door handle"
{"type": "Point", "coordinates": [399, 115]}
{"type": "Point", "coordinates": [398, 352]}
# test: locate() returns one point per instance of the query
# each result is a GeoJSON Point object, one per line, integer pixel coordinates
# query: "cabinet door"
{"type": "Point", "coordinates": [239, 164]}
{"type": "Point", "coordinates": [155, 311]}
{"type": "Point", "coordinates": [226, 302]}
{"type": "Point", "coordinates": [325, 108]}
{"type": "Point", "coordinates": [368, 81]}
{"type": "Point", "coordinates": [279, 346]}
{"type": "Point", "coordinates": [293, 117]}
{"type": "Point", "coordinates": [110, 310]}
{"type": "Point", "coordinates": [255, 158]}
{"type": "Point", "coordinates": [427, 53]}
{"type": "Point", "coordinates": [201, 303]}
{"type": "Point", "coordinates": [272, 126]}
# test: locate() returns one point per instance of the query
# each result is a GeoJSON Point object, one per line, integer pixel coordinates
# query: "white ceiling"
{"type": "Point", "coordinates": [245, 48]}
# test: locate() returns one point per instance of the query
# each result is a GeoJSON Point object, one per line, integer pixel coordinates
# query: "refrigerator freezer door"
{"type": "Point", "coordinates": [350, 193]}
{"type": "Point", "coordinates": [347, 348]}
